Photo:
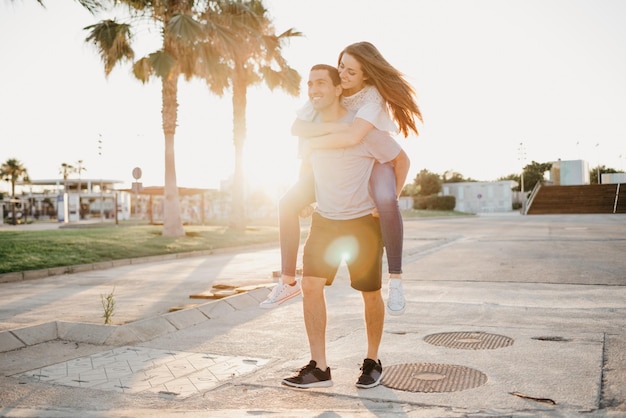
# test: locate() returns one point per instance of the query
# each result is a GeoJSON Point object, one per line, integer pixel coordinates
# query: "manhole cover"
{"type": "Point", "coordinates": [469, 340]}
{"type": "Point", "coordinates": [432, 377]}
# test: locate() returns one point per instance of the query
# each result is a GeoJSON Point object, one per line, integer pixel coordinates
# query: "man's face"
{"type": "Point", "coordinates": [322, 92]}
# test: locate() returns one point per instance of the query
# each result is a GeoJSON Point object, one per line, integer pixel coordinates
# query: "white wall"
{"type": "Point", "coordinates": [481, 197]}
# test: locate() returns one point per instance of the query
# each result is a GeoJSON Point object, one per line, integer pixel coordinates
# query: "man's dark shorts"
{"type": "Point", "coordinates": [358, 242]}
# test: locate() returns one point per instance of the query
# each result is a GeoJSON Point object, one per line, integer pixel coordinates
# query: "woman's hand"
{"type": "Point", "coordinates": [307, 211]}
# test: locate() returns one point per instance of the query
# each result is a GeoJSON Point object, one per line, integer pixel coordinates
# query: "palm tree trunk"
{"type": "Point", "coordinates": [238, 220]}
{"type": "Point", "coordinates": [172, 221]}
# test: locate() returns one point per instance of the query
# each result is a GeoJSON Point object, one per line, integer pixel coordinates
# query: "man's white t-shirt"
{"type": "Point", "coordinates": [342, 175]}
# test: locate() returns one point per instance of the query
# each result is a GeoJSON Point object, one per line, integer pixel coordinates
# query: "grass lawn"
{"type": "Point", "coordinates": [73, 244]}
{"type": "Point", "coordinates": [22, 250]}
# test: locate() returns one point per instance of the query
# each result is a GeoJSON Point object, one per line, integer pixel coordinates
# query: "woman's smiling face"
{"type": "Point", "coordinates": [351, 73]}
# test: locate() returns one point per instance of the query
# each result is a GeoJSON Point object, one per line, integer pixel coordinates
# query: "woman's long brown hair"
{"type": "Point", "coordinates": [397, 92]}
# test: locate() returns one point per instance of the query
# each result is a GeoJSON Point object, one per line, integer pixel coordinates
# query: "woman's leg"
{"type": "Point", "coordinates": [290, 205]}
{"type": "Point", "coordinates": [383, 190]}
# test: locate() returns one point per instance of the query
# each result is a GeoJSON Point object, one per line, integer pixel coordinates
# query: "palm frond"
{"type": "Point", "coordinates": [185, 28]}
{"type": "Point", "coordinates": [93, 6]}
{"type": "Point", "coordinates": [142, 69]}
{"type": "Point", "coordinates": [218, 79]}
{"type": "Point", "coordinates": [112, 40]}
{"type": "Point", "coordinates": [286, 79]}
{"type": "Point", "coordinates": [290, 33]}
{"type": "Point", "coordinates": [162, 63]}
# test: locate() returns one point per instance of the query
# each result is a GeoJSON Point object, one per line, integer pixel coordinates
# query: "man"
{"type": "Point", "coordinates": [343, 229]}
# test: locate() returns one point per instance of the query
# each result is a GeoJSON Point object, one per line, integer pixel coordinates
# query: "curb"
{"type": "Point", "coordinates": [133, 332]}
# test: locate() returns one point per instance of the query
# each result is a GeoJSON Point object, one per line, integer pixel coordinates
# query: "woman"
{"type": "Point", "coordinates": [379, 95]}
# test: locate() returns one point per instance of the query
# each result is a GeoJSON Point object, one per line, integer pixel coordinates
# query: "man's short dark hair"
{"type": "Point", "coordinates": [332, 72]}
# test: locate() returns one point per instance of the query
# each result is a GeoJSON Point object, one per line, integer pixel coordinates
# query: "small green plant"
{"type": "Point", "coordinates": [108, 304]}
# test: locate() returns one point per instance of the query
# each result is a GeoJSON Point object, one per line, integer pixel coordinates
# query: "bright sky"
{"type": "Point", "coordinates": [490, 74]}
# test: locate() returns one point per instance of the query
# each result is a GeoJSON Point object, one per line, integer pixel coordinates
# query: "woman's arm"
{"type": "Point", "coordinates": [353, 135]}
{"type": "Point", "coordinates": [401, 165]}
{"type": "Point", "coordinates": [305, 129]}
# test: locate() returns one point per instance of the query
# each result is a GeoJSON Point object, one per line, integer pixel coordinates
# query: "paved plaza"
{"type": "Point", "coordinates": [507, 315]}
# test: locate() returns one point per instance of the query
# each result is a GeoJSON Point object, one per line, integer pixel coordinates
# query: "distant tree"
{"type": "Point", "coordinates": [533, 174]}
{"type": "Point", "coordinates": [12, 170]}
{"type": "Point", "coordinates": [454, 177]}
{"type": "Point", "coordinates": [65, 170]}
{"type": "Point", "coordinates": [513, 177]}
{"type": "Point", "coordinates": [79, 170]}
{"type": "Point", "coordinates": [427, 183]}
{"type": "Point", "coordinates": [409, 189]}
{"type": "Point", "coordinates": [601, 169]}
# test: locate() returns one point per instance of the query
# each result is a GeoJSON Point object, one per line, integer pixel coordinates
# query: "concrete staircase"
{"type": "Point", "coordinates": [594, 198]}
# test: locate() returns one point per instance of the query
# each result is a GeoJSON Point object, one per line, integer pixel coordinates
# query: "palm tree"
{"type": "Point", "coordinates": [181, 51]}
{"type": "Point", "coordinates": [255, 58]}
{"type": "Point", "coordinates": [79, 170]}
{"type": "Point", "coordinates": [65, 171]}
{"type": "Point", "coordinates": [13, 170]}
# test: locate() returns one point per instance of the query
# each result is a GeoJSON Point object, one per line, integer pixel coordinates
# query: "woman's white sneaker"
{"type": "Point", "coordinates": [281, 293]}
{"type": "Point", "coordinates": [396, 305]}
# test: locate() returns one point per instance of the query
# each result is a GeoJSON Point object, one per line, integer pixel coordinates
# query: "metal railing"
{"type": "Point", "coordinates": [528, 203]}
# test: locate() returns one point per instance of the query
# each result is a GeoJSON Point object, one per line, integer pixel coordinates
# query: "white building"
{"type": "Point", "coordinates": [69, 200]}
{"type": "Point", "coordinates": [570, 173]}
{"type": "Point", "coordinates": [481, 197]}
{"type": "Point", "coordinates": [613, 178]}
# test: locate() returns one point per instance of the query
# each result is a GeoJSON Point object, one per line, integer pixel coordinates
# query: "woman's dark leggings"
{"type": "Point", "coordinates": [301, 194]}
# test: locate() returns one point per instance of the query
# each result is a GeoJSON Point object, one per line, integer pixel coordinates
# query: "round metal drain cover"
{"type": "Point", "coordinates": [432, 377]}
{"type": "Point", "coordinates": [469, 340]}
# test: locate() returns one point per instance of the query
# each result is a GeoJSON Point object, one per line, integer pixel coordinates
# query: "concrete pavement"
{"type": "Point", "coordinates": [507, 315]}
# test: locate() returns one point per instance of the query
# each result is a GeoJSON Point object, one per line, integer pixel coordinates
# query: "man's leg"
{"type": "Point", "coordinates": [314, 308]}
{"type": "Point", "coordinates": [317, 372]}
{"type": "Point", "coordinates": [374, 321]}
{"type": "Point", "coordinates": [372, 369]}
{"type": "Point", "coordinates": [366, 276]}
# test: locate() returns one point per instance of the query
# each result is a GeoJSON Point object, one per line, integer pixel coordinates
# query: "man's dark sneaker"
{"type": "Point", "coordinates": [310, 376]}
{"type": "Point", "coordinates": [371, 374]}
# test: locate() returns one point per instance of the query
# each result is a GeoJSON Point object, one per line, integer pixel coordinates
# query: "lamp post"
{"type": "Point", "coordinates": [598, 157]}
{"type": "Point", "coordinates": [521, 155]}
{"type": "Point", "coordinates": [101, 185]}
